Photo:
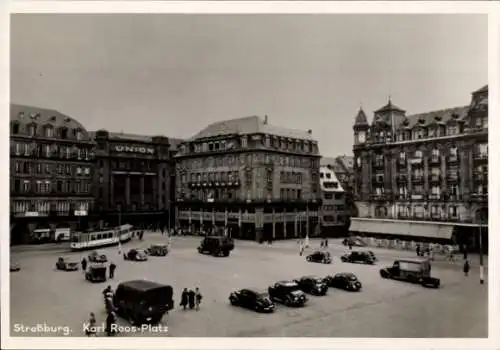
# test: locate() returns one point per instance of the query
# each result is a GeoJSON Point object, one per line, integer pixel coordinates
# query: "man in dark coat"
{"type": "Point", "coordinates": [84, 264]}
{"type": "Point", "coordinates": [191, 297]}
{"type": "Point", "coordinates": [112, 268]}
{"type": "Point", "coordinates": [184, 298]}
{"type": "Point", "coordinates": [466, 268]}
{"type": "Point", "coordinates": [110, 321]}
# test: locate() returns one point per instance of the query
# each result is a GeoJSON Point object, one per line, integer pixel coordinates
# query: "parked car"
{"type": "Point", "coordinates": [96, 257]}
{"type": "Point", "coordinates": [287, 293]}
{"type": "Point", "coordinates": [136, 255]}
{"type": "Point", "coordinates": [354, 241]}
{"type": "Point", "coordinates": [216, 246]}
{"type": "Point", "coordinates": [312, 285]}
{"type": "Point", "coordinates": [320, 257]}
{"type": "Point", "coordinates": [96, 273]}
{"type": "Point", "coordinates": [143, 302]}
{"type": "Point", "coordinates": [65, 264]}
{"type": "Point", "coordinates": [252, 299]}
{"type": "Point", "coordinates": [14, 267]}
{"type": "Point", "coordinates": [411, 270]}
{"type": "Point", "coordinates": [157, 250]}
{"type": "Point", "coordinates": [358, 257]}
{"type": "Point", "coordinates": [344, 280]}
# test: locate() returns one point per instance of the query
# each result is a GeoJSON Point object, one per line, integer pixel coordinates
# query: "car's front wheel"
{"type": "Point", "coordinates": [309, 259]}
{"type": "Point", "coordinates": [384, 274]}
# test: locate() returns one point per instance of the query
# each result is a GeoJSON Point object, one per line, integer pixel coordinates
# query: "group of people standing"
{"type": "Point", "coordinates": [191, 298]}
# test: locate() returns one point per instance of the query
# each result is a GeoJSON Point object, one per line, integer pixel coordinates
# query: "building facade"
{"type": "Point", "coordinates": [134, 179]}
{"type": "Point", "coordinates": [424, 176]}
{"type": "Point", "coordinates": [333, 212]}
{"type": "Point", "coordinates": [258, 180]}
{"type": "Point", "coordinates": [51, 170]}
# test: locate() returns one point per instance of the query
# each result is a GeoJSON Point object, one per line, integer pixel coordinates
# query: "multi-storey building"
{"type": "Point", "coordinates": [333, 215]}
{"type": "Point", "coordinates": [51, 169]}
{"type": "Point", "coordinates": [134, 179]}
{"type": "Point", "coordinates": [424, 176]}
{"type": "Point", "coordinates": [258, 180]}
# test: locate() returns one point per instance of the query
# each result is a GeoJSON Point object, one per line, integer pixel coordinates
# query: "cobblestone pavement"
{"type": "Point", "coordinates": [385, 308]}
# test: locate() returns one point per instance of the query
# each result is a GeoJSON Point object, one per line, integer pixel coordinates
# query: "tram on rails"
{"type": "Point", "coordinates": [102, 238]}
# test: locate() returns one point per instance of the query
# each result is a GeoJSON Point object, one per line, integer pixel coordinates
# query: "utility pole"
{"type": "Point", "coordinates": [481, 260]}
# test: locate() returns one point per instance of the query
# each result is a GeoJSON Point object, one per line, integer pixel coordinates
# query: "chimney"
{"type": "Point", "coordinates": [309, 131]}
{"type": "Point", "coordinates": [265, 119]}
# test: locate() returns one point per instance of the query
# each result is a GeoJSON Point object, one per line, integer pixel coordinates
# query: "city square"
{"type": "Point", "coordinates": [384, 308]}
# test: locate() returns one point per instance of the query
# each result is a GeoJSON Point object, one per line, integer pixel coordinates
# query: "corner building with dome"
{"type": "Point", "coordinates": [423, 177]}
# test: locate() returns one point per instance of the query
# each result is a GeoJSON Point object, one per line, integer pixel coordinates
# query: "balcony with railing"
{"type": "Point", "coordinates": [417, 196]}
{"type": "Point", "coordinates": [453, 176]}
{"type": "Point", "coordinates": [452, 159]}
{"type": "Point", "coordinates": [416, 161]}
{"type": "Point", "coordinates": [434, 196]}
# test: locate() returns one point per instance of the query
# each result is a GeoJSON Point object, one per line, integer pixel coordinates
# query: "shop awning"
{"type": "Point", "coordinates": [402, 228]}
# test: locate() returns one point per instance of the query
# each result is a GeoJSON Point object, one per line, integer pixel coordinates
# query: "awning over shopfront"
{"type": "Point", "coordinates": [402, 228]}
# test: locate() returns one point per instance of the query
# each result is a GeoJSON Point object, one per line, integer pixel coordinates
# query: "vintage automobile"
{"type": "Point", "coordinates": [136, 255]}
{"type": "Point", "coordinates": [354, 241]}
{"type": "Point", "coordinates": [65, 264]}
{"type": "Point", "coordinates": [287, 293]}
{"type": "Point", "coordinates": [142, 301]}
{"type": "Point", "coordinates": [344, 280]}
{"type": "Point", "coordinates": [358, 257]}
{"type": "Point", "coordinates": [96, 273]}
{"type": "Point", "coordinates": [95, 257]}
{"type": "Point", "coordinates": [252, 299]}
{"type": "Point", "coordinates": [411, 270]}
{"type": "Point", "coordinates": [216, 246]}
{"type": "Point", "coordinates": [320, 257]}
{"type": "Point", "coordinates": [157, 250]}
{"type": "Point", "coordinates": [14, 267]}
{"type": "Point", "coordinates": [312, 285]}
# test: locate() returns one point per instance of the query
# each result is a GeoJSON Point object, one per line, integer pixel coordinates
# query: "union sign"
{"type": "Point", "coordinates": [135, 149]}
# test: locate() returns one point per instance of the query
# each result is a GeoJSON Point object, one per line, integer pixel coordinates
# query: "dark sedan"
{"type": "Point", "coordinates": [320, 257]}
{"type": "Point", "coordinates": [359, 257]}
{"type": "Point", "coordinates": [136, 255]}
{"type": "Point", "coordinates": [251, 299]}
{"type": "Point", "coordinates": [345, 280]}
{"type": "Point", "coordinates": [312, 285]}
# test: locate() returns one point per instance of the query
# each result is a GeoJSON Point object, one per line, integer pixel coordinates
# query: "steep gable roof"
{"type": "Point", "coordinates": [44, 116]}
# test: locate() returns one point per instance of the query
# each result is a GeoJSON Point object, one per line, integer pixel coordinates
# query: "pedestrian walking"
{"type": "Point", "coordinates": [466, 268]}
{"type": "Point", "coordinates": [91, 329]}
{"type": "Point", "coordinates": [198, 298]}
{"type": "Point", "coordinates": [84, 264]}
{"type": "Point", "coordinates": [184, 298]}
{"type": "Point", "coordinates": [350, 245]}
{"type": "Point", "coordinates": [301, 248]}
{"type": "Point", "coordinates": [112, 268]}
{"type": "Point", "coordinates": [110, 324]}
{"type": "Point", "coordinates": [191, 299]}
{"type": "Point", "coordinates": [326, 242]}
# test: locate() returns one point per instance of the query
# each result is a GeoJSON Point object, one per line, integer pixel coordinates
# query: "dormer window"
{"type": "Point", "coordinates": [418, 154]}
{"type": "Point", "coordinates": [32, 130]}
{"type": "Point", "coordinates": [15, 128]}
{"type": "Point", "coordinates": [453, 129]}
{"type": "Point", "coordinates": [418, 134]}
{"type": "Point", "coordinates": [431, 132]}
{"type": "Point", "coordinates": [49, 131]}
{"type": "Point", "coordinates": [244, 141]}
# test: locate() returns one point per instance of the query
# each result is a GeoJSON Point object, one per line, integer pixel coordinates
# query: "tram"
{"type": "Point", "coordinates": [102, 238]}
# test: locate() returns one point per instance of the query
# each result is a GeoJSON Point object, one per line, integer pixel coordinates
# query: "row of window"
{"type": "Point", "coordinates": [331, 185]}
{"type": "Point", "coordinates": [48, 151]}
{"type": "Point", "coordinates": [421, 132]}
{"type": "Point", "coordinates": [453, 172]}
{"type": "Point", "coordinates": [34, 129]}
{"type": "Point", "coordinates": [339, 207]}
{"type": "Point", "coordinates": [290, 194]}
{"type": "Point", "coordinates": [287, 177]}
{"type": "Point", "coordinates": [130, 165]}
{"type": "Point", "coordinates": [436, 191]}
{"type": "Point", "coordinates": [214, 195]}
{"type": "Point", "coordinates": [49, 186]}
{"type": "Point", "coordinates": [229, 176]}
{"type": "Point", "coordinates": [45, 206]}
{"type": "Point", "coordinates": [249, 159]}
{"type": "Point", "coordinates": [336, 196]}
{"type": "Point", "coordinates": [292, 145]}
{"type": "Point", "coordinates": [37, 168]}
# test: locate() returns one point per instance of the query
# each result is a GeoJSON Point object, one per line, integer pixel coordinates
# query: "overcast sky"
{"type": "Point", "coordinates": [174, 74]}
